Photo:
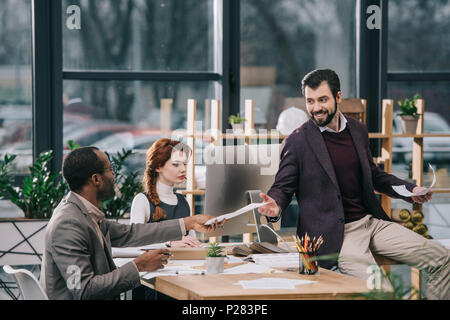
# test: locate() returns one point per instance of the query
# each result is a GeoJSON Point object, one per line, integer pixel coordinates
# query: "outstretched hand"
{"type": "Point", "coordinates": [421, 199]}
{"type": "Point", "coordinates": [270, 209]}
{"type": "Point", "coordinates": [198, 221]}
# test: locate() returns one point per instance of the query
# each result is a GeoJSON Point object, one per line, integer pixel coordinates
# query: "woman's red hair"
{"type": "Point", "coordinates": [157, 156]}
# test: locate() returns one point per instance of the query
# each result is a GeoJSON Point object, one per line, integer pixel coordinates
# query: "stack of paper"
{"type": "Point", "coordinates": [277, 260]}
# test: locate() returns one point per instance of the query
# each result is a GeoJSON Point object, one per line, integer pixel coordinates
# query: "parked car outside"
{"type": "Point", "coordinates": [435, 149]}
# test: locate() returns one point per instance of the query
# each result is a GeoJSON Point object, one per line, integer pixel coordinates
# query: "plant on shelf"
{"type": "Point", "coordinates": [214, 258]}
{"type": "Point", "coordinates": [236, 122]}
{"type": "Point", "coordinates": [408, 114]}
{"type": "Point", "coordinates": [408, 107]}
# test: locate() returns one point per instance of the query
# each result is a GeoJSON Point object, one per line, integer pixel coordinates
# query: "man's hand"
{"type": "Point", "coordinates": [198, 221]}
{"type": "Point", "coordinates": [422, 199]}
{"type": "Point", "coordinates": [152, 260]}
{"type": "Point", "coordinates": [271, 209]}
{"type": "Point", "coordinates": [186, 241]}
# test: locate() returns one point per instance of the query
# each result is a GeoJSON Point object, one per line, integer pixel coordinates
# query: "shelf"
{"type": "Point", "coordinates": [378, 135]}
{"type": "Point", "coordinates": [423, 135]}
{"type": "Point", "coordinates": [441, 190]}
{"type": "Point", "coordinates": [198, 192]}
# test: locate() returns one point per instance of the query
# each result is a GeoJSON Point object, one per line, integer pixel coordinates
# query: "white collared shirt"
{"type": "Point", "coordinates": [95, 214]}
{"type": "Point", "coordinates": [342, 128]}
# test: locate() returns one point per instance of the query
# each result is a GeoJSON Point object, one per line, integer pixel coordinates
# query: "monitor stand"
{"type": "Point", "coordinates": [264, 234]}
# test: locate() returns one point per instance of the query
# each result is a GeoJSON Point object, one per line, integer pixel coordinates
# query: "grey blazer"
{"type": "Point", "coordinates": [76, 266]}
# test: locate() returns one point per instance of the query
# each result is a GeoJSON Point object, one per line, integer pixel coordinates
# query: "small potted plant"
{"type": "Point", "coordinates": [409, 115]}
{"type": "Point", "coordinates": [215, 258]}
{"type": "Point", "coordinates": [237, 123]}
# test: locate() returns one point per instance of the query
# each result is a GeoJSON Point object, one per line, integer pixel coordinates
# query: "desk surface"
{"type": "Point", "coordinates": [329, 285]}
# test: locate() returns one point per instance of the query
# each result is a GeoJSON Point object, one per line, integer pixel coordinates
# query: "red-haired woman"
{"type": "Point", "coordinates": [165, 166]}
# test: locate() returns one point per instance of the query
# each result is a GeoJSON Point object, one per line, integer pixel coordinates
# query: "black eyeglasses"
{"type": "Point", "coordinates": [113, 167]}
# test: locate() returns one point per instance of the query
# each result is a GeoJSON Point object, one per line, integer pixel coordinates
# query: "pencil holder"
{"type": "Point", "coordinates": [307, 264]}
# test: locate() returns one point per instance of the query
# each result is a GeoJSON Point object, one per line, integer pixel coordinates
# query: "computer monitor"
{"type": "Point", "coordinates": [233, 171]}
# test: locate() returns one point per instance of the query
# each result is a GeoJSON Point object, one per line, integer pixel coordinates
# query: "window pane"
{"type": "Point", "coordinates": [283, 40]}
{"type": "Point", "coordinates": [16, 82]}
{"type": "Point", "coordinates": [114, 115]}
{"type": "Point", "coordinates": [419, 35]}
{"type": "Point", "coordinates": [436, 120]}
{"type": "Point", "coordinates": [139, 35]}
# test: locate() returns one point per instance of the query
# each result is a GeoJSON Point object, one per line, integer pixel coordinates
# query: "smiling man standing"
{"type": "Point", "coordinates": [328, 165]}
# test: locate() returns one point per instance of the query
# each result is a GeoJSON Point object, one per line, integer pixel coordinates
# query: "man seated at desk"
{"type": "Point", "coordinates": [328, 164]}
{"type": "Point", "coordinates": [77, 262]}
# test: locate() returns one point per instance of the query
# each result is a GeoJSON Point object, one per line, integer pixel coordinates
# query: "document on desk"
{"type": "Point", "coordinates": [401, 190]}
{"type": "Point", "coordinates": [133, 252]}
{"type": "Point", "coordinates": [272, 283]}
{"type": "Point", "coordinates": [236, 213]}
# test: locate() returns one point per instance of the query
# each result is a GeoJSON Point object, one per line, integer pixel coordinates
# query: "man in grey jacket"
{"type": "Point", "coordinates": [77, 261]}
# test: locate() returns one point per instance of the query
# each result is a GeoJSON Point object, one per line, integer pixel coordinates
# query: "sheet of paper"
{"type": "Point", "coordinates": [277, 260]}
{"type": "Point", "coordinates": [250, 268]}
{"type": "Point", "coordinates": [401, 190]}
{"type": "Point", "coordinates": [133, 252]}
{"type": "Point", "coordinates": [177, 267]}
{"type": "Point", "coordinates": [235, 213]}
{"type": "Point", "coordinates": [272, 283]}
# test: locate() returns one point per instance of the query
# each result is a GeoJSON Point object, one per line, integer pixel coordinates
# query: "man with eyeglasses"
{"type": "Point", "coordinates": [77, 261]}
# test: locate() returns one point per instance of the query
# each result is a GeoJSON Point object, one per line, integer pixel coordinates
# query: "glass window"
{"type": "Point", "coordinates": [419, 35]}
{"type": "Point", "coordinates": [163, 35]}
{"type": "Point", "coordinates": [114, 114]}
{"type": "Point", "coordinates": [437, 101]}
{"type": "Point", "coordinates": [283, 40]}
{"type": "Point", "coordinates": [16, 82]}
{"type": "Point", "coordinates": [436, 120]}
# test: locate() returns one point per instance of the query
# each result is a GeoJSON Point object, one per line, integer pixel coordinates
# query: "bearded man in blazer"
{"type": "Point", "coordinates": [327, 163]}
{"type": "Point", "coordinates": [77, 262]}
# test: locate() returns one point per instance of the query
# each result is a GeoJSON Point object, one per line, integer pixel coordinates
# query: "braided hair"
{"type": "Point", "coordinates": [157, 156]}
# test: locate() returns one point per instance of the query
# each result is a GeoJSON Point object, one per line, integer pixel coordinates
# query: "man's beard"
{"type": "Point", "coordinates": [108, 192]}
{"type": "Point", "coordinates": [327, 120]}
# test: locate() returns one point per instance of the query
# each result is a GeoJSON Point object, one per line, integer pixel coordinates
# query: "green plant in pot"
{"type": "Point", "coordinates": [215, 258]}
{"type": "Point", "coordinates": [237, 123]}
{"type": "Point", "coordinates": [41, 191]}
{"type": "Point", "coordinates": [408, 114]}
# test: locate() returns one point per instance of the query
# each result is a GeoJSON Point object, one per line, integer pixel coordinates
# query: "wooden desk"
{"type": "Point", "coordinates": [330, 285]}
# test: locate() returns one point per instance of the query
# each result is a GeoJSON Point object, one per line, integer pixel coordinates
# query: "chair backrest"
{"type": "Point", "coordinates": [298, 102]}
{"type": "Point", "coordinates": [354, 108]}
{"type": "Point", "coordinates": [28, 284]}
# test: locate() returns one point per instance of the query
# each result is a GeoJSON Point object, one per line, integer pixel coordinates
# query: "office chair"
{"type": "Point", "coordinates": [28, 284]}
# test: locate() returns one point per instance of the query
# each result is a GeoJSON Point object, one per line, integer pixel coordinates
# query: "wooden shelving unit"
{"type": "Point", "coordinates": [386, 135]}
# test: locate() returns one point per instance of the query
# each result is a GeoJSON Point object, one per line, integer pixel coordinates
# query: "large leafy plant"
{"type": "Point", "coordinates": [41, 190]}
